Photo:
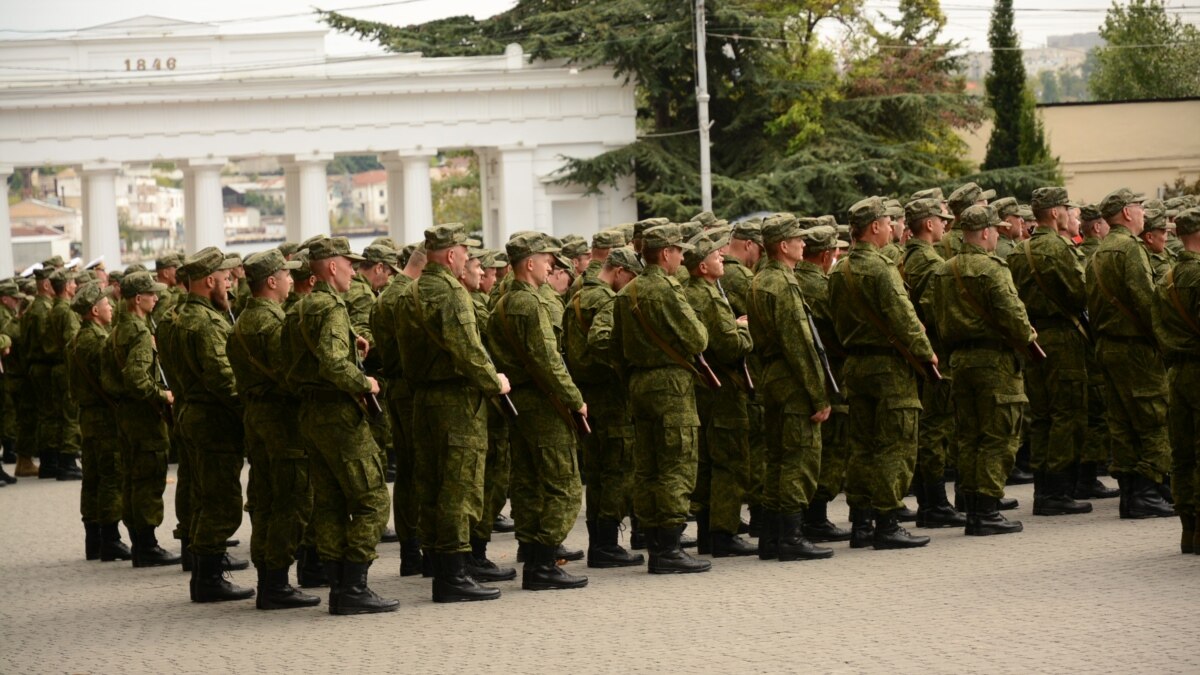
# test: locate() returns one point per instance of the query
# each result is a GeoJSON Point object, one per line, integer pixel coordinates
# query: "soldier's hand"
{"type": "Point", "coordinates": [361, 344]}
{"type": "Point", "coordinates": [822, 414]}
{"type": "Point", "coordinates": [583, 410]}
{"type": "Point", "coordinates": [934, 360]}
{"type": "Point", "coordinates": [743, 320]}
{"type": "Point", "coordinates": [505, 387]}
{"type": "Point", "coordinates": [168, 397]}
{"type": "Point", "coordinates": [374, 384]}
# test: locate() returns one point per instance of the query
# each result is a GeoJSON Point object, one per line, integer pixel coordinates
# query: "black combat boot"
{"type": "Point", "coordinates": [5, 478]}
{"type": "Point", "coordinates": [482, 569]}
{"type": "Point", "coordinates": [1125, 487]}
{"type": "Point", "coordinates": [768, 533]}
{"type": "Point", "coordinates": [1019, 476]}
{"type": "Point", "coordinates": [91, 541]}
{"type": "Point", "coordinates": [1089, 486]}
{"type": "Point", "coordinates": [1187, 543]}
{"type": "Point", "coordinates": [47, 465]}
{"type": "Point", "coordinates": [503, 524]}
{"type": "Point", "coordinates": [793, 545]}
{"type": "Point", "coordinates": [1007, 503]}
{"type": "Point", "coordinates": [333, 577]}
{"type": "Point", "coordinates": [1145, 501]}
{"type": "Point", "coordinates": [310, 572]}
{"type": "Point", "coordinates": [905, 514]}
{"type": "Point", "coordinates": [889, 535]}
{"type": "Point", "coordinates": [637, 537]}
{"type": "Point", "coordinates": [210, 584]}
{"type": "Point", "coordinates": [186, 559]}
{"type": "Point", "coordinates": [147, 552]}
{"type": "Point", "coordinates": [410, 557]}
{"type": "Point", "coordinates": [451, 583]}
{"type": "Point", "coordinates": [111, 546]}
{"type": "Point", "coordinates": [68, 468]}
{"type": "Point", "coordinates": [232, 564]}
{"type": "Point", "coordinates": [1055, 497]}
{"type": "Point", "coordinates": [274, 592]}
{"type": "Point", "coordinates": [935, 510]}
{"type": "Point", "coordinates": [667, 557]}
{"type": "Point", "coordinates": [984, 519]}
{"type": "Point", "coordinates": [726, 545]}
{"type": "Point", "coordinates": [10, 451]}
{"type": "Point", "coordinates": [356, 597]}
{"type": "Point", "coordinates": [703, 542]}
{"type": "Point", "coordinates": [757, 518]}
{"type": "Point", "coordinates": [862, 531]}
{"type": "Point", "coordinates": [542, 573]}
{"type": "Point", "coordinates": [568, 554]}
{"type": "Point", "coordinates": [605, 552]}
{"type": "Point", "coordinates": [429, 564]}
{"type": "Point", "coordinates": [818, 527]}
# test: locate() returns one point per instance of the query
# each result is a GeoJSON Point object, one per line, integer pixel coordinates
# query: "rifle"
{"type": "Point", "coordinates": [822, 354]}
{"type": "Point", "coordinates": [167, 412]}
{"type": "Point", "coordinates": [370, 401]}
{"type": "Point", "coordinates": [745, 366]}
{"type": "Point", "coordinates": [706, 373]}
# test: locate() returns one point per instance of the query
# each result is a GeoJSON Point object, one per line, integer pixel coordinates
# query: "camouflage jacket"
{"type": "Point", "coordinates": [1059, 265]}
{"type": "Point", "coordinates": [255, 352]}
{"type": "Point", "coordinates": [814, 285]}
{"type": "Point", "coordinates": [1088, 248]}
{"type": "Point", "coordinates": [10, 326]}
{"type": "Point", "coordinates": [864, 285]}
{"type": "Point", "coordinates": [587, 362]}
{"type": "Point", "coordinates": [522, 339]}
{"type": "Point", "coordinates": [728, 343]}
{"type": "Point", "coordinates": [384, 320]}
{"type": "Point", "coordinates": [1122, 268]}
{"type": "Point", "coordinates": [592, 272]}
{"type": "Point", "coordinates": [84, 361]}
{"type": "Point", "coordinates": [736, 283]}
{"type": "Point", "coordinates": [34, 328]}
{"type": "Point", "coordinates": [664, 308]}
{"type": "Point", "coordinates": [200, 368]}
{"type": "Point", "coordinates": [61, 326]}
{"type": "Point", "coordinates": [1177, 335]}
{"type": "Point", "coordinates": [321, 347]}
{"type": "Point", "coordinates": [129, 362]}
{"type": "Point", "coordinates": [779, 327]}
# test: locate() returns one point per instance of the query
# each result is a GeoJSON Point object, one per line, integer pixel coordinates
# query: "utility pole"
{"type": "Point", "coordinates": [702, 109]}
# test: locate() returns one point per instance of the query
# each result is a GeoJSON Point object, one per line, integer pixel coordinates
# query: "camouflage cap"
{"type": "Point", "coordinates": [931, 193]}
{"type": "Point", "coordinates": [568, 238]}
{"type": "Point", "coordinates": [382, 253]}
{"type": "Point", "coordinates": [332, 247]}
{"type": "Point", "coordinates": [168, 260]}
{"type": "Point", "coordinates": [304, 268]}
{"type": "Point", "coordinates": [386, 241]}
{"type": "Point", "coordinates": [781, 227]}
{"type": "Point", "coordinates": [925, 207]}
{"type": "Point", "coordinates": [526, 244]}
{"type": "Point", "coordinates": [236, 258]}
{"type": "Point", "coordinates": [705, 218]}
{"type": "Point", "coordinates": [1007, 206]}
{"type": "Point", "coordinates": [138, 283]}
{"type": "Point", "coordinates": [748, 230]}
{"type": "Point", "coordinates": [493, 260]}
{"type": "Point", "coordinates": [9, 288]}
{"type": "Point", "coordinates": [1188, 221]}
{"type": "Point", "coordinates": [43, 272]}
{"type": "Point", "coordinates": [87, 296]}
{"type": "Point", "coordinates": [61, 275]}
{"type": "Point", "coordinates": [477, 254]}
{"type": "Point", "coordinates": [1156, 215]}
{"type": "Point", "coordinates": [644, 224]}
{"type": "Point", "coordinates": [1025, 211]}
{"type": "Point", "coordinates": [202, 263]}
{"type": "Point", "coordinates": [966, 195]}
{"type": "Point", "coordinates": [975, 218]}
{"type": "Point", "coordinates": [625, 257]}
{"type": "Point", "coordinates": [702, 247]}
{"type": "Point", "coordinates": [502, 256]}
{"type": "Point", "coordinates": [289, 248]}
{"type": "Point", "coordinates": [115, 276]}
{"type": "Point", "coordinates": [1118, 199]}
{"type": "Point", "coordinates": [894, 209]}
{"type": "Point", "coordinates": [625, 229]}
{"type": "Point", "coordinates": [574, 249]}
{"type": "Point", "coordinates": [1049, 197]}
{"type": "Point", "coordinates": [821, 238]}
{"type": "Point", "coordinates": [561, 262]}
{"type": "Point", "coordinates": [1181, 203]}
{"type": "Point", "coordinates": [263, 264]}
{"type": "Point", "coordinates": [664, 236]}
{"type": "Point", "coordinates": [447, 235]}
{"type": "Point", "coordinates": [1089, 212]}
{"type": "Point", "coordinates": [54, 262]}
{"type": "Point", "coordinates": [690, 229]}
{"type": "Point", "coordinates": [139, 267]}
{"type": "Point", "coordinates": [866, 211]}
{"type": "Point", "coordinates": [608, 239]}
{"type": "Point", "coordinates": [307, 243]}
{"type": "Point", "coordinates": [831, 221]}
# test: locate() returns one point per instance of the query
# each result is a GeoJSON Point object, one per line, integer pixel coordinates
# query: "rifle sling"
{"type": "Point", "coordinates": [979, 308]}
{"type": "Point", "coordinates": [360, 399]}
{"type": "Point", "coordinates": [1177, 302]}
{"type": "Point", "coordinates": [876, 320]}
{"type": "Point", "coordinates": [1037, 278]}
{"type": "Point", "coordinates": [530, 366]}
{"type": "Point", "coordinates": [667, 349]}
{"type": "Point", "coordinates": [1116, 302]}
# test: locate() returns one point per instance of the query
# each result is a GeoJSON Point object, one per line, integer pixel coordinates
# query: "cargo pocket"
{"type": "Point", "coordinates": [149, 465]}
{"type": "Point", "coordinates": [1150, 406]}
{"type": "Point", "coordinates": [621, 441]}
{"type": "Point", "coordinates": [900, 417]}
{"type": "Point", "coordinates": [1010, 408]}
{"type": "Point", "coordinates": [465, 458]}
{"type": "Point", "coordinates": [364, 474]}
{"type": "Point", "coordinates": [558, 463]}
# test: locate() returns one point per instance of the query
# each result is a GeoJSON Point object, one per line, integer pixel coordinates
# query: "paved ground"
{"type": "Point", "coordinates": [1077, 594]}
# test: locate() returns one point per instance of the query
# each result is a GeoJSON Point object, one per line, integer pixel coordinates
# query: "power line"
{"type": "Point", "coordinates": [736, 37]}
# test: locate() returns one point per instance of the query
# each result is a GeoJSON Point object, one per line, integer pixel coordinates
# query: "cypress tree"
{"type": "Point", "coordinates": [1005, 85]}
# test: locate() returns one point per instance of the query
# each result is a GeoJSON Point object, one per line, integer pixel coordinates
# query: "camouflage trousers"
{"type": "Point", "coordinates": [58, 415]}
{"type": "Point", "coordinates": [1184, 380]}
{"type": "Point", "coordinates": [884, 412]}
{"type": "Point", "coordinates": [835, 453]}
{"type": "Point", "coordinates": [935, 431]}
{"type": "Point", "coordinates": [1096, 442]}
{"type": "Point", "coordinates": [723, 467]}
{"type": "Point", "coordinates": [406, 509]}
{"type": "Point", "coordinates": [26, 406]}
{"type": "Point", "coordinates": [1057, 389]}
{"type": "Point", "coordinates": [144, 451]}
{"type": "Point", "coordinates": [213, 438]}
{"type": "Point", "coordinates": [666, 427]}
{"type": "Point", "coordinates": [989, 397]}
{"type": "Point", "coordinates": [350, 496]}
{"type": "Point", "coordinates": [793, 443]}
{"type": "Point", "coordinates": [757, 439]}
{"type": "Point", "coordinates": [10, 390]}
{"type": "Point", "coordinates": [279, 494]}
{"type": "Point", "coordinates": [1136, 398]}
{"type": "Point", "coordinates": [183, 476]}
{"type": "Point", "coordinates": [546, 490]}
{"type": "Point", "coordinates": [497, 472]}
{"type": "Point", "coordinates": [100, 499]}
{"type": "Point", "coordinates": [450, 431]}
{"type": "Point", "coordinates": [608, 453]}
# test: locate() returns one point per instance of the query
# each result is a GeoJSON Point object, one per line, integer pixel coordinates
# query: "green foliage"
{"type": "Point", "coordinates": [1180, 188]}
{"type": "Point", "coordinates": [1005, 84]}
{"type": "Point", "coordinates": [457, 198]}
{"type": "Point", "coordinates": [1149, 54]}
{"type": "Point", "coordinates": [265, 205]}
{"type": "Point", "coordinates": [352, 164]}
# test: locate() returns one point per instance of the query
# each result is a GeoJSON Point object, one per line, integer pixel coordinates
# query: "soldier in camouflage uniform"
{"type": "Point", "coordinates": [1012, 226]}
{"type": "Point", "coordinates": [1154, 238]}
{"type": "Point", "coordinates": [452, 376]}
{"type": "Point", "coordinates": [1093, 228]}
{"type": "Point", "coordinates": [935, 431]}
{"type": "Point", "coordinates": [792, 385]}
{"type": "Point", "coordinates": [59, 329]}
{"type": "Point", "coordinates": [209, 421]}
{"type": "Point", "coordinates": [977, 314]}
{"type": "Point", "coordinates": [13, 380]}
{"type": "Point", "coordinates": [351, 503]}
{"type": "Point", "coordinates": [100, 444]}
{"type": "Point", "coordinates": [546, 487]}
{"type": "Point", "coordinates": [966, 195]}
{"type": "Point", "coordinates": [279, 492]}
{"type": "Point", "coordinates": [1124, 317]}
{"type": "Point", "coordinates": [166, 268]}
{"type": "Point", "coordinates": [894, 250]}
{"type": "Point", "coordinates": [1048, 273]}
{"type": "Point", "coordinates": [1178, 298]}
{"type": "Point", "coordinates": [602, 244]}
{"type": "Point", "coordinates": [655, 337]}
{"type": "Point", "coordinates": [499, 459]}
{"type": "Point", "coordinates": [724, 451]}
{"type": "Point", "coordinates": [875, 320]}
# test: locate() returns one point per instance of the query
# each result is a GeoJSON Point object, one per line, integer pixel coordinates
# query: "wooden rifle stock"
{"type": "Point", "coordinates": [581, 422]}
{"type": "Point", "coordinates": [1035, 352]}
{"type": "Point", "coordinates": [706, 373]}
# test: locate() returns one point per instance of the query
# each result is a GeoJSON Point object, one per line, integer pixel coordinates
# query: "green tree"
{"type": "Point", "coordinates": [457, 198]}
{"type": "Point", "coordinates": [1048, 82]}
{"type": "Point", "coordinates": [1005, 86]}
{"type": "Point", "coordinates": [1149, 54]}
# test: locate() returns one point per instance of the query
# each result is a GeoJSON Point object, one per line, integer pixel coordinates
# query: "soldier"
{"type": "Point", "coordinates": [792, 384]}
{"type": "Point", "coordinates": [966, 195]}
{"type": "Point", "coordinates": [935, 428]}
{"type": "Point", "coordinates": [100, 444]}
{"type": "Point", "coordinates": [978, 315]}
{"type": "Point", "coordinates": [209, 420]}
{"type": "Point", "coordinates": [546, 486]}
{"type": "Point", "coordinates": [578, 254]}
{"type": "Point", "coordinates": [451, 374]}
{"type": "Point", "coordinates": [279, 489]}
{"type": "Point", "coordinates": [346, 468]}
{"type": "Point", "coordinates": [1154, 238]}
{"type": "Point", "coordinates": [165, 268]}
{"type": "Point", "coordinates": [14, 374]}
{"type": "Point", "coordinates": [723, 470]}
{"type": "Point", "coordinates": [1094, 229]}
{"type": "Point", "coordinates": [893, 251]}
{"type": "Point", "coordinates": [602, 243]}
{"type": "Point", "coordinates": [656, 336]}
{"type": "Point", "coordinates": [1047, 271]}
{"type": "Point", "coordinates": [1123, 315]}
{"type": "Point", "coordinates": [884, 342]}
{"type": "Point", "coordinates": [1012, 226]}
{"type": "Point", "coordinates": [60, 328]}
{"type": "Point", "coordinates": [1178, 297]}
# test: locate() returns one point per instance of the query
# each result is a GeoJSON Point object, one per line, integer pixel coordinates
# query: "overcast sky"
{"type": "Point", "coordinates": [968, 19]}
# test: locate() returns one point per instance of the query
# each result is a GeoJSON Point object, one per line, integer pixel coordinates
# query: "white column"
{"type": "Point", "coordinates": [516, 190]}
{"type": "Point", "coordinates": [313, 200]}
{"type": "Point", "coordinates": [291, 201]}
{"type": "Point", "coordinates": [205, 205]}
{"type": "Point", "coordinates": [6, 249]}
{"type": "Point", "coordinates": [101, 235]}
{"type": "Point", "coordinates": [417, 196]}
{"type": "Point", "coordinates": [395, 198]}
{"type": "Point", "coordinates": [189, 208]}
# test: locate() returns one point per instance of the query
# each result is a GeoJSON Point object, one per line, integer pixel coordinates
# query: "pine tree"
{"type": "Point", "coordinates": [1005, 84]}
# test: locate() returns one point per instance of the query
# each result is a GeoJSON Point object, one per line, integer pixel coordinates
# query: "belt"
{"type": "Point", "coordinates": [1127, 339]}
{"type": "Point", "coordinates": [278, 399]}
{"type": "Point", "coordinates": [431, 384]}
{"type": "Point", "coordinates": [1045, 322]}
{"type": "Point", "coordinates": [327, 396]}
{"type": "Point", "coordinates": [871, 351]}
{"type": "Point", "coordinates": [994, 345]}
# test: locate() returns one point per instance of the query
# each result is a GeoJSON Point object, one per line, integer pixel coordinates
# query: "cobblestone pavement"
{"type": "Point", "coordinates": [1070, 594]}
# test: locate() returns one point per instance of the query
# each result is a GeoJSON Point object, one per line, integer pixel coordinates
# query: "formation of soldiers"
{"type": "Point", "coordinates": [677, 370]}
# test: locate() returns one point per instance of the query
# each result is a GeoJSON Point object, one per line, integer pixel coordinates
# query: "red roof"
{"type": "Point", "coordinates": [369, 178]}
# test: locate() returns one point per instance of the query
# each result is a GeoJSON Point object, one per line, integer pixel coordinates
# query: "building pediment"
{"type": "Point", "coordinates": [144, 25]}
